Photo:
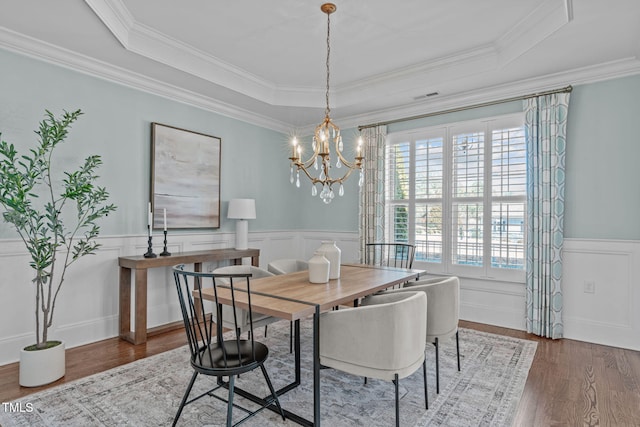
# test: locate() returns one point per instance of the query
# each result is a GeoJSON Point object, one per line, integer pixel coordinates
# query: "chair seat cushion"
{"type": "Point", "coordinates": [227, 355]}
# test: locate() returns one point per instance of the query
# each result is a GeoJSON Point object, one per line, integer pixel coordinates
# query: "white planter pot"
{"type": "Point", "coordinates": [40, 367]}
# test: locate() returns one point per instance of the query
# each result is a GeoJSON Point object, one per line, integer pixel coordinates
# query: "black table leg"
{"type": "Point", "coordinates": [316, 367]}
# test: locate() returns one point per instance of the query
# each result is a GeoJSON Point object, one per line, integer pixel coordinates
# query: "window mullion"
{"type": "Point", "coordinates": [412, 192]}
{"type": "Point", "coordinates": [447, 196]}
{"type": "Point", "coordinates": [488, 190]}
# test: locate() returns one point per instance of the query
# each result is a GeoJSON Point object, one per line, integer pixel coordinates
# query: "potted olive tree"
{"type": "Point", "coordinates": [55, 214]}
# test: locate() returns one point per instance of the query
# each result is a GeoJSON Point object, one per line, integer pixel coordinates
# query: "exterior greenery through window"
{"type": "Point", "coordinates": [458, 193]}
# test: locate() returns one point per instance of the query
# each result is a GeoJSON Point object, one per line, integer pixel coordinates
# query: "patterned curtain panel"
{"type": "Point", "coordinates": [546, 128]}
{"type": "Point", "coordinates": [371, 225]}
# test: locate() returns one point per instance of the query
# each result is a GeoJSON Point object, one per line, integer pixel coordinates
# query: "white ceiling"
{"type": "Point", "coordinates": [264, 62]}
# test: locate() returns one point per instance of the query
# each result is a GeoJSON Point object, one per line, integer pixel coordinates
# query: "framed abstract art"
{"type": "Point", "coordinates": [185, 178]}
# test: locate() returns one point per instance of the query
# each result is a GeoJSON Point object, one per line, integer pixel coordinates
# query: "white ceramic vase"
{"type": "Point", "coordinates": [318, 268]}
{"type": "Point", "coordinates": [332, 253]}
{"type": "Point", "coordinates": [40, 367]}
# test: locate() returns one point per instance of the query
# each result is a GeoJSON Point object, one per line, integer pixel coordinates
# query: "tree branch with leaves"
{"type": "Point", "coordinates": [37, 206]}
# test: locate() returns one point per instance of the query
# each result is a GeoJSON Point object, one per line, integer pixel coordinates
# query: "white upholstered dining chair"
{"type": "Point", "coordinates": [287, 265]}
{"type": "Point", "coordinates": [443, 312]}
{"type": "Point", "coordinates": [384, 339]}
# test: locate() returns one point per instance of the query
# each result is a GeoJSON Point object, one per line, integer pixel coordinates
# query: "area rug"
{"type": "Point", "coordinates": [147, 392]}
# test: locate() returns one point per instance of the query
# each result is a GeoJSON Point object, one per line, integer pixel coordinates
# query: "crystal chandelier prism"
{"type": "Point", "coordinates": [326, 142]}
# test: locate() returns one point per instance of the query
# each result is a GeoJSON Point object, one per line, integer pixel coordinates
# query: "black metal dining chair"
{"type": "Point", "coordinates": [213, 353]}
{"type": "Point", "coordinates": [390, 254]}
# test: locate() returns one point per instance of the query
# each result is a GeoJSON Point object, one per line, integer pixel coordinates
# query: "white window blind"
{"type": "Point", "coordinates": [459, 194]}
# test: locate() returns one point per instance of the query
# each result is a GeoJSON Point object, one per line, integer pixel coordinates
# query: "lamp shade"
{"type": "Point", "coordinates": [242, 209]}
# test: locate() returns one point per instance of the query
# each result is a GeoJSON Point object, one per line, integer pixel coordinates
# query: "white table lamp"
{"type": "Point", "coordinates": [242, 210]}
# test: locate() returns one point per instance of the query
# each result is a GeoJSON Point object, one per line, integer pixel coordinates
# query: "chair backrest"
{"type": "Point", "coordinates": [383, 337]}
{"type": "Point", "coordinates": [287, 265]}
{"type": "Point", "coordinates": [210, 349]}
{"type": "Point", "coordinates": [443, 300]}
{"type": "Point", "coordinates": [255, 272]}
{"type": "Point", "coordinates": [389, 254]}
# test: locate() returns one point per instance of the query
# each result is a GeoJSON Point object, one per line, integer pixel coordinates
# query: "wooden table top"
{"type": "Point", "coordinates": [292, 296]}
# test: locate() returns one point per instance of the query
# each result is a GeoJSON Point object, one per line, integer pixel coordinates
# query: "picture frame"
{"type": "Point", "coordinates": [185, 178]}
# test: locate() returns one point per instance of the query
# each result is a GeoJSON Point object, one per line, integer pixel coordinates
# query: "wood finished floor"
{"type": "Point", "coordinates": [571, 383]}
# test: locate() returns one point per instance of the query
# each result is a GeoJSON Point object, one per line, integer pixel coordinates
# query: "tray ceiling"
{"type": "Point", "coordinates": [264, 61]}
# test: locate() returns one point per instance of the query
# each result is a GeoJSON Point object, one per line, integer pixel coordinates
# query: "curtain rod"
{"type": "Point", "coordinates": [468, 107]}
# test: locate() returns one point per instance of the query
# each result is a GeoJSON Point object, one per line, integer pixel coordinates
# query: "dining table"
{"type": "Point", "coordinates": [292, 297]}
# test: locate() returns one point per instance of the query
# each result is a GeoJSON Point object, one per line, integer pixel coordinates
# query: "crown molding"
{"type": "Point", "coordinates": [459, 65]}
{"type": "Point", "coordinates": [546, 19]}
{"type": "Point", "coordinates": [115, 15]}
{"type": "Point", "coordinates": [147, 42]}
{"type": "Point", "coordinates": [28, 46]}
{"type": "Point", "coordinates": [581, 76]}
{"type": "Point", "coordinates": [19, 43]}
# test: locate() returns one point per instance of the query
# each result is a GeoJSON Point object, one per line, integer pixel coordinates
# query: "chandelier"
{"type": "Point", "coordinates": [326, 140]}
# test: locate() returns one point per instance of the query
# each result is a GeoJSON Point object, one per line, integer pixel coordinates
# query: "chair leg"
{"type": "Point", "coordinates": [185, 397]}
{"type": "Point", "coordinates": [426, 392]}
{"type": "Point", "coordinates": [290, 337]}
{"type": "Point", "coordinates": [272, 390]}
{"type": "Point", "coordinates": [437, 368]}
{"type": "Point", "coordinates": [230, 401]}
{"type": "Point", "coordinates": [458, 350]}
{"type": "Point", "coordinates": [265, 331]}
{"type": "Point", "coordinates": [397, 384]}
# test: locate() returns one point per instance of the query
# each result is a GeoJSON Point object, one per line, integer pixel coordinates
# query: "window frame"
{"type": "Point", "coordinates": [447, 132]}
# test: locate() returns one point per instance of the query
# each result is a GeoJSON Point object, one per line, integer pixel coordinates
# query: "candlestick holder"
{"type": "Point", "coordinates": [165, 252]}
{"type": "Point", "coordinates": [150, 253]}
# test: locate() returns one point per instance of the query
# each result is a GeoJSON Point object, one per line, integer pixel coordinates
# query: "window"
{"type": "Point", "coordinates": [459, 194]}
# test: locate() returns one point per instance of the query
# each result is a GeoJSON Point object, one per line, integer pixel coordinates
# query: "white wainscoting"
{"type": "Point", "coordinates": [611, 314]}
{"type": "Point", "coordinates": [87, 310]}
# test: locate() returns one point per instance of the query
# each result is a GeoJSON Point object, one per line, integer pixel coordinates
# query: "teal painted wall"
{"type": "Point", "coordinates": [603, 151]}
{"type": "Point", "coordinates": [116, 125]}
{"type": "Point", "coordinates": [602, 197]}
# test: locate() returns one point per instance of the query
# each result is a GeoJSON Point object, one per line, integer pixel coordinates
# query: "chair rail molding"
{"type": "Point", "coordinates": [88, 311]}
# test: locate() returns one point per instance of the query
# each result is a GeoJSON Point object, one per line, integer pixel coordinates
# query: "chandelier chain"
{"type": "Point", "coordinates": [327, 109]}
{"type": "Point", "coordinates": [326, 143]}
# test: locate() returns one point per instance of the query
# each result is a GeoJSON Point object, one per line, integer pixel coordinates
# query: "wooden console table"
{"type": "Point", "coordinates": [139, 265]}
